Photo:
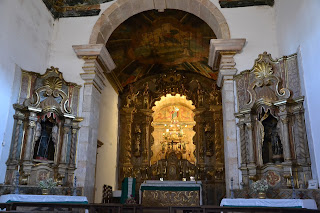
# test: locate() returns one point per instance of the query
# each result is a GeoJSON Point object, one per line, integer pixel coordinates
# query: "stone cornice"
{"type": "Point", "coordinates": [96, 50]}
{"type": "Point", "coordinates": [217, 46]}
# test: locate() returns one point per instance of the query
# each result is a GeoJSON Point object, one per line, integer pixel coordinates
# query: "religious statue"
{"type": "Point", "coordinates": [138, 141]}
{"type": "Point", "coordinates": [146, 97]}
{"type": "Point", "coordinates": [215, 95]}
{"type": "Point", "coordinates": [131, 97]}
{"type": "Point", "coordinates": [208, 138]}
{"type": "Point", "coordinates": [46, 136]}
{"type": "Point", "coordinates": [199, 95]}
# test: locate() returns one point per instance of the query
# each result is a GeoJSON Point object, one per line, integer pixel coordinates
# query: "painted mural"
{"type": "Point", "coordinates": [153, 42]}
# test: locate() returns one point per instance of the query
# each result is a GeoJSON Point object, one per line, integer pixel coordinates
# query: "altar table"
{"type": "Point", "coordinates": [170, 193]}
{"type": "Point", "coordinates": [285, 203]}
{"type": "Point", "coordinates": [9, 198]}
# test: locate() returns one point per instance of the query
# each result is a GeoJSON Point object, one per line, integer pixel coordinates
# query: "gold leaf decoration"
{"type": "Point", "coordinates": [54, 83]}
{"type": "Point", "coordinates": [263, 70]}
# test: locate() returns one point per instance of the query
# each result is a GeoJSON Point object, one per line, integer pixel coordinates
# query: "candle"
{"type": "Point", "coordinates": [305, 180]}
{"type": "Point", "coordinates": [290, 171]}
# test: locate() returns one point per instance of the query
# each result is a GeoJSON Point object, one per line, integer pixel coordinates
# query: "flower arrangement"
{"type": "Point", "coordinates": [260, 186]}
{"type": "Point", "coordinates": [47, 183]}
{"type": "Point", "coordinates": [131, 200]}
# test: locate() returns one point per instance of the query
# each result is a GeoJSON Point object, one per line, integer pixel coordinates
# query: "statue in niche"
{"type": "Point", "coordinates": [199, 95]}
{"type": "Point", "coordinates": [272, 150]}
{"type": "Point", "coordinates": [146, 96]}
{"type": "Point", "coordinates": [215, 95]}
{"type": "Point", "coordinates": [46, 137]}
{"type": "Point", "coordinates": [138, 141]}
{"type": "Point", "coordinates": [208, 138]}
{"type": "Point", "coordinates": [132, 98]}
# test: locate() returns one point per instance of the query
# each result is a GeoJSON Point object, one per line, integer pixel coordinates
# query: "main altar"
{"type": "Point", "coordinates": [170, 193]}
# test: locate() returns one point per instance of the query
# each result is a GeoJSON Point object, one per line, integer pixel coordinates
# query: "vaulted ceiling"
{"type": "Point", "coordinates": [157, 42]}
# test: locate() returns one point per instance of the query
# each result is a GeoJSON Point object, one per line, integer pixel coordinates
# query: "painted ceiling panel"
{"type": "Point", "coordinates": [74, 8]}
{"type": "Point", "coordinates": [244, 3]}
{"type": "Point", "coordinates": [153, 42]}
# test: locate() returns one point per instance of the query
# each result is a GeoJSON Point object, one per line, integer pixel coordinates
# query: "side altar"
{"type": "Point", "coordinates": [170, 193]}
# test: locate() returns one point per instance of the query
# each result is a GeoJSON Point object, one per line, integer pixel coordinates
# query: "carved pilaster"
{"type": "Point", "coordinates": [98, 63]}
{"type": "Point", "coordinates": [218, 135]}
{"type": "Point", "coordinates": [221, 57]}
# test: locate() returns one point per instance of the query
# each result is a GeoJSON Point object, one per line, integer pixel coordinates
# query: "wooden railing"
{"type": "Point", "coordinates": [118, 208]}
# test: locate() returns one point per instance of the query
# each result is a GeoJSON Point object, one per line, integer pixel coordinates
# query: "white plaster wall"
{"type": "Point", "coordinates": [257, 26]}
{"type": "Point", "coordinates": [108, 134]}
{"type": "Point", "coordinates": [298, 30]}
{"type": "Point", "coordinates": [25, 36]}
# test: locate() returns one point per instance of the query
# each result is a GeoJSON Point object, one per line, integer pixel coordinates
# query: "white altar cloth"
{"type": "Point", "coordinates": [9, 198]}
{"type": "Point", "coordinates": [289, 203]}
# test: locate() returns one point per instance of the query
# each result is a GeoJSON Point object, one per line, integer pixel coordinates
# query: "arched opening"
{"type": "Point", "coordinates": [173, 122]}
{"type": "Point", "coordinates": [120, 11]}
{"type": "Point", "coordinates": [159, 54]}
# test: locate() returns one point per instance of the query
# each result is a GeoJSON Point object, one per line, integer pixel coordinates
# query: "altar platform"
{"type": "Point", "coordinates": [284, 203]}
{"type": "Point", "coordinates": [170, 193]}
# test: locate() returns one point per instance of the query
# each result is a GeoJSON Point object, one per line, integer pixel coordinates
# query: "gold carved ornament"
{"type": "Point", "coordinates": [264, 76]}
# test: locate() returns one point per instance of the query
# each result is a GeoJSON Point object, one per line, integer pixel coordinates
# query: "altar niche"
{"type": "Point", "coordinates": [268, 130]}
{"type": "Point", "coordinates": [171, 128]}
{"type": "Point", "coordinates": [45, 137]}
{"type": "Point", "coordinates": [271, 124]}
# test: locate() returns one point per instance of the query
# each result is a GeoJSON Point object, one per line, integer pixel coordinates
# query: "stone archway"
{"type": "Point", "coordinates": [98, 63]}
{"type": "Point", "coordinates": [119, 11]}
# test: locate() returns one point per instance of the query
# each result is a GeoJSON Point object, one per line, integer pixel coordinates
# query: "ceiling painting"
{"type": "Point", "coordinates": [244, 3]}
{"type": "Point", "coordinates": [74, 8]}
{"type": "Point", "coordinates": [152, 42]}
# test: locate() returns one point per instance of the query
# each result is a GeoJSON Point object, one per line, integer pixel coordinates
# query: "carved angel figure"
{"type": "Point", "coordinates": [131, 97]}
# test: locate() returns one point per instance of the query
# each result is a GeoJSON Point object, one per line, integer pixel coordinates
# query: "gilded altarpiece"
{"type": "Point", "coordinates": [202, 157]}
{"type": "Point", "coordinates": [45, 131]}
{"type": "Point", "coordinates": [271, 124]}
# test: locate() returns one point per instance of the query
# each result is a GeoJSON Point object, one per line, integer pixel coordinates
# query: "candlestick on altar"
{"type": "Point", "coordinates": [290, 172]}
{"type": "Point", "coordinates": [293, 189]}
{"type": "Point", "coordinates": [75, 186]}
{"type": "Point", "coordinates": [231, 190]}
{"type": "Point", "coordinates": [304, 180]}
{"type": "Point", "coordinates": [16, 191]}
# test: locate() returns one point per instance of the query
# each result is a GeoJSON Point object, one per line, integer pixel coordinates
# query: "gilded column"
{"type": "Point", "coordinates": [285, 130]}
{"type": "Point", "coordinates": [221, 58]}
{"type": "Point", "coordinates": [146, 145]}
{"type": "Point", "coordinates": [18, 117]}
{"type": "Point", "coordinates": [199, 129]}
{"type": "Point", "coordinates": [30, 132]}
{"type": "Point", "coordinates": [65, 141]}
{"type": "Point", "coordinates": [248, 124]}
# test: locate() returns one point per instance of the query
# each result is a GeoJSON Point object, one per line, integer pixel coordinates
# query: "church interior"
{"type": "Point", "coordinates": [160, 103]}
